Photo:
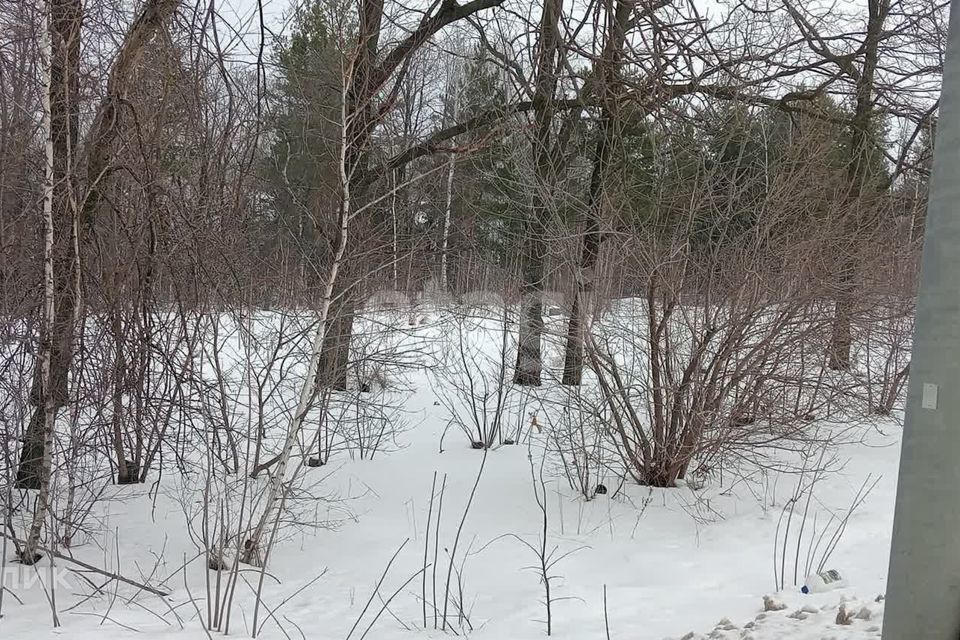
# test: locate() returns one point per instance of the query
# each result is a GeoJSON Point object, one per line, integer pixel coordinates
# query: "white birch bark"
{"type": "Point", "coordinates": [44, 355]}
{"type": "Point", "coordinates": [393, 213]}
{"type": "Point", "coordinates": [446, 224]}
{"type": "Point", "coordinates": [454, 101]}
{"type": "Point", "coordinates": [308, 391]}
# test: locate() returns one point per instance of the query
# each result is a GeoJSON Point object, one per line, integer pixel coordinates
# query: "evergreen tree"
{"type": "Point", "coordinates": [489, 192]}
{"type": "Point", "coordinates": [301, 171]}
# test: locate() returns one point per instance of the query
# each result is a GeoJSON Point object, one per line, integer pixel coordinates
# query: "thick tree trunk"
{"type": "Point", "coordinates": [858, 172]}
{"type": "Point", "coordinates": [607, 72]}
{"type": "Point", "coordinates": [335, 359]}
{"type": "Point", "coordinates": [49, 390]}
{"type": "Point", "coordinates": [529, 362]}
{"type": "Point", "coordinates": [64, 31]}
{"type": "Point", "coordinates": [528, 366]}
{"type": "Point", "coordinates": [841, 334]}
{"type": "Point", "coordinates": [31, 455]}
{"type": "Point", "coordinates": [359, 120]}
{"type": "Point", "coordinates": [582, 307]}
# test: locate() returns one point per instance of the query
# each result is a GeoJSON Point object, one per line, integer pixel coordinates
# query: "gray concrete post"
{"type": "Point", "coordinates": [923, 588]}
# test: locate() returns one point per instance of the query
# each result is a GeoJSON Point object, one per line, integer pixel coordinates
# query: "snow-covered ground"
{"type": "Point", "coordinates": [670, 563]}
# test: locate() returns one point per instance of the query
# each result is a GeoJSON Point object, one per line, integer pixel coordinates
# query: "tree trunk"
{"type": "Point", "coordinates": [448, 209]}
{"type": "Point", "coordinates": [369, 72]}
{"type": "Point", "coordinates": [583, 304]}
{"type": "Point", "coordinates": [607, 71]}
{"type": "Point", "coordinates": [444, 259]}
{"type": "Point", "coordinates": [359, 120]}
{"type": "Point", "coordinates": [363, 78]}
{"type": "Point", "coordinates": [529, 362]}
{"type": "Point", "coordinates": [581, 309]}
{"type": "Point", "coordinates": [64, 31]}
{"type": "Point", "coordinates": [841, 334]}
{"type": "Point", "coordinates": [49, 391]}
{"type": "Point", "coordinates": [335, 359]}
{"type": "Point", "coordinates": [253, 552]}
{"type": "Point", "coordinates": [40, 429]}
{"type": "Point", "coordinates": [119, 373]}
{"type": "Point", "coordinates": [858, 170]}
{"type": "Point", "coordinates": [528, 366]}
{"type": "Point", "coordinates": [395, 243]}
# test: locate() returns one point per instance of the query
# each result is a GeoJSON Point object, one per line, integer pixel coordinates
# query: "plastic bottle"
{"type": "Point", "coordinates": [824, 581]}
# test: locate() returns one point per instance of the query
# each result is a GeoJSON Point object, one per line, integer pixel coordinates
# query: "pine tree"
{"type": "Point", "coordinates": [301, 171]}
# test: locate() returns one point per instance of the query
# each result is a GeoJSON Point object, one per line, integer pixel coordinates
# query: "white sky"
{"type": "Point", "coordinates": [242, 15]}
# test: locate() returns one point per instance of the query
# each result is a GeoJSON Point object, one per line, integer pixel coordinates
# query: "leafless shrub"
{"type": "Point", "coordinates": [718, 352]}
{"type": "Point", "coordinates": [547, 556]}
{"type": "Point", "coordinates": [576, 435]}
{"type": "Point", "coordinates": [885, 365]}
{"type": "Point", "coordinates": [695, 383]}
{"type": "Point", "coordinates": [474, 384]}
{"type": "Point", "coordinates": [816, 545]}
{"type": "Point", "coordinates": [451, 593]}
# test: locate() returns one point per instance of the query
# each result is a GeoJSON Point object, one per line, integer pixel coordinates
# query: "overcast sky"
{"type": "Point", "coordinates": [243, 18]}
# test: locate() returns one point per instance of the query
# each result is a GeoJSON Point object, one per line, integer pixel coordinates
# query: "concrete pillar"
{"type": "Point", "coordinates": [923, 590]}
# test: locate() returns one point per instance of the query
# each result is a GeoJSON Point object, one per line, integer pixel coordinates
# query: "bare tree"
{"type": "Point", "coordinates": [536, 222]}
{"type": "Point", "coordinates": [608, 92]}
{"type": "Point", "coordinates": [74, 205]}
{"type": "Point", "coordinates": [365, 72]}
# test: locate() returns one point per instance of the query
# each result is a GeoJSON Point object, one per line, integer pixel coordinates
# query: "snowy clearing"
{"type": "Point", "coordinates": [671, 562]}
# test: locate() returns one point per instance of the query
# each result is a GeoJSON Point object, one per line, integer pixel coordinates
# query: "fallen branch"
{"type": "Point", "coordinates": [90, 567]}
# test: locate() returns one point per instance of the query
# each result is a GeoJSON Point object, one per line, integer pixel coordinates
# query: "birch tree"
{"type": "Point", "coordinates": [452, 111]}
{"type": "Point", "coordinates": [309, 387]}
{"type": "Point", "coordinates": [73, 208]}
{"type": "Point", "coordinates": [367, 74]}
{"type": "Point", "coordinates": [45, 405]}
{"type": "Point", "coordinates": [50, 388]}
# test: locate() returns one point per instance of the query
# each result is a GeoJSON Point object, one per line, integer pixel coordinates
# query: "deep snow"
{"type": "Point", "coordinates": [673, 561]}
